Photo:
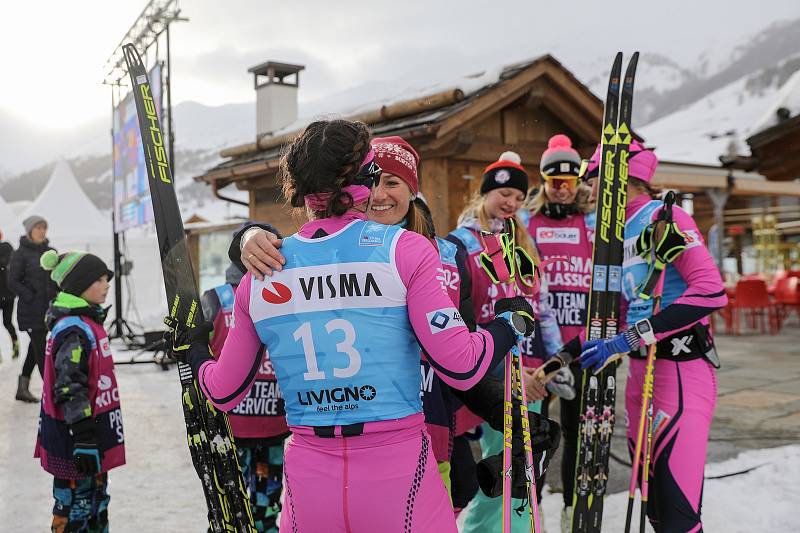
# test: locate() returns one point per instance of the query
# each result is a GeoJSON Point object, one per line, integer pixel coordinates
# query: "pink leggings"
{"type": "Point", "coordinates": [684, 397]}
{"type": "Point", "coordinates": [386, 481]}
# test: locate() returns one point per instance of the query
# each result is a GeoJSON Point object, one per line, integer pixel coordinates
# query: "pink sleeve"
{"type": "Point", "coordinates": [228, 379]}
{"type": "Point", "coordinates": [704, 289]}
{"type": "Point", "coordinates": [459, 357]}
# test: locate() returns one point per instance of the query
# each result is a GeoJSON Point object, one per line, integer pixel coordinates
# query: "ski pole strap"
{"type": "Point", "coordinates": [661, 243]}
{"type": "Point", "coordinates": [649, 284]}
{"type": "Point", "coordinates": [497, 260]}
{"type": "Point", "coordinates": [527, 270]}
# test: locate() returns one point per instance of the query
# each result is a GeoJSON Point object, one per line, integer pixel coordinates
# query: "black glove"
{"type": "Point", "coordinates": [519, 309]}
{"type": "Point", "coordinates": [183, 342]}
{"type": "Point", "coordinates": [86, 454]}
{"type": "Point", "coordinates": [545, 438]}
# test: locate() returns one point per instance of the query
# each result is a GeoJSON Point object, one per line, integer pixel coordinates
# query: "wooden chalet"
{"type": "Point", "coordinates": [460, 130]}
{"type": "Point", "coordinates": [456, 134]}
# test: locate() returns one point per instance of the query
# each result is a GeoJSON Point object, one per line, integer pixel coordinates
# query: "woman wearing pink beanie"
{"type": "Point", "coordinates": [561, 223]}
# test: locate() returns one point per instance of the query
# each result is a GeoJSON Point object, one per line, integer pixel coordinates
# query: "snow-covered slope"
{"type": "Point", "coordinates": [720, 123]}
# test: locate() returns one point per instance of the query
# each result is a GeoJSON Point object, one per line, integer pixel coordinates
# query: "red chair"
{"type": "Point", "coordinates": [787, 297]}
{"type": "Point", "coordinates": [726, 313]}
{"type": "Point", "coordinates": [753, 301]}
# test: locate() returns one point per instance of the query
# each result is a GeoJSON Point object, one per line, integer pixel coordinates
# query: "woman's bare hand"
{"type": "Point", "coordinates": [534, 387]}
{"type": "Point", "coordinates": [260, 254]}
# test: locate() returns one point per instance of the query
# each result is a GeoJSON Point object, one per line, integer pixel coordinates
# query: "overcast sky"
{"type": "Point", "coordinates": [52, 53]}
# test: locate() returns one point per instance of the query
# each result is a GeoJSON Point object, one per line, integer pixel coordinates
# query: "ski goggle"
{"type": "Point", "coordinates": [584, 173]}
{"type": "Point", "coordinates": [558, 182]}
{"type": "Point", "coordinates": [369, 174]}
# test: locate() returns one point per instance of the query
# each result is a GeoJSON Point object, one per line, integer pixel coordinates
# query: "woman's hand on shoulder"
{"type": "Point", "coordinates": [260, 254]}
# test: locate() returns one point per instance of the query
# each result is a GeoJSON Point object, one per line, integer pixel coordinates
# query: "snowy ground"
{"type": "Point", "coordinates": [764, 499]}
{"type": "Point", "coordinates": [158, 490]}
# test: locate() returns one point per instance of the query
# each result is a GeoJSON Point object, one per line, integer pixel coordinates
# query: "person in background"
{"type": "Point", "coordinates": [684, 383]}
{"type": "Point", "coordinates": [258, 423]}
{"type": "Point", "coordinates": [501, 195]}
{"type": "Point", "coordinates": [35, 290]}
{"type": "Point", "coordinates": [80, 425]}
{"type": "Point", "coordinates": [7, 297]}
{"type": "Point", "coordinates": [561, 223]}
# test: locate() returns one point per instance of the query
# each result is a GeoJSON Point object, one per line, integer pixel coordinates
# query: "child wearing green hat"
{"type": "Point", "coordinates": [80, 431]}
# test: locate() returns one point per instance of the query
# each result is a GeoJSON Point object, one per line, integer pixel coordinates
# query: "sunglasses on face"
{"type": "Point", "coordinates": [557, 182]}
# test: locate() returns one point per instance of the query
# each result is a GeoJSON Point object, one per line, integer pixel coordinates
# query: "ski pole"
{"type": "Point", "coordinates": [648, 450]}
{"type": "Point", "coordinates": [498, 271]}
{"type": "Point", "coordinates": [646, 413]}
{"type": "Point", "coordinates": [647, 391]}
{"type": "Point", "coordinates": [500, 263]}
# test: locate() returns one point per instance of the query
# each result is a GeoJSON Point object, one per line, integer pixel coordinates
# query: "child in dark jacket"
{"type": "Point", "coordinates": [80, 429]}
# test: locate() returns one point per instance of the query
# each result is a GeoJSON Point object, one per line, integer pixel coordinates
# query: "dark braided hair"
{"type": "Point", "coordinates": [324, 159]}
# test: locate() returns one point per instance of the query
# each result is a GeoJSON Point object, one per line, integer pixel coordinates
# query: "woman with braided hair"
{"type": "Point", "coordinates": [449, 412]}
{"type": "Point", "coordinates": [344, 321]}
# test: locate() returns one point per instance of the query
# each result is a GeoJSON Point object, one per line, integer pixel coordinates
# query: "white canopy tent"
{"type": "Point", "coordinates": [10, 224]}
{"type": "Point", "coordinates": [74, 223]}
{"type": "Point", "coordinates": [73, 220]}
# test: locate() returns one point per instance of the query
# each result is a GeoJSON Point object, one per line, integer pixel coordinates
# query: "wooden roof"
{"type": "Point", "coordinates": [434, 124]}
{"type": "Point", "coordinates": [775, 151]}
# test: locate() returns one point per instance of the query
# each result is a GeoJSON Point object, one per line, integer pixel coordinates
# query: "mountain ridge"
{"type": "Point", "coordinates": [664, 87]}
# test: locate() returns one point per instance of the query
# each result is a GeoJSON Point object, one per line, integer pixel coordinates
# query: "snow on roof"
{"type": "Point", "coordinates": [710, 127]}
{"type": "Point", "coordinates": [69, 212]}
{"type": "Point", "coordinates": [788, 97]}
{"type": "Point", "coordinates": [374, 94]}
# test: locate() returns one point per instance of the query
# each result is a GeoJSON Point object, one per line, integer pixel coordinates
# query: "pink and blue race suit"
{"type": "Point", "coordinates": [566, 247]}
{"type": "Point", "coordinates": [485, 513]}
{"type": "Point", "coordinates": [62, 391]}
{"type": "Point", "coordinates": [685, 386]}
{"type": "Point", "coordinates": [344, 322]}
{"type": "Point", "coordinates": [260, 415]}
{"type": "Point", "coordinates": [438, 404]}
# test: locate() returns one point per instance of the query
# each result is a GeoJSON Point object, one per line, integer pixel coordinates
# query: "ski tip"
{"type": "Point", "coordinates": [131, 54]}
{"type": "Point", "coordinates": [632, 67]}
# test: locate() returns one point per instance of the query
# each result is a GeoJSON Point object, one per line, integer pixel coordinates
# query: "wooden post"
{"type": "Point", "coordinates": [719, 198]}
{"type": "Point", "coordinates": [434, 186]}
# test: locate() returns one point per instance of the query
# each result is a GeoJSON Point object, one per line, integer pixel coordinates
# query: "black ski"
{"type": "Point", "coordinates": [596, 326]}
{"type": "Point", "coordinates": [208, 432]}
{"type": "Point", "coordinates": [594, 444]}
{"type": "Point", "coordinates": [608, 377]}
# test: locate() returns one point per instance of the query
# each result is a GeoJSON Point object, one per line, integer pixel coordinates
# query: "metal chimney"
{"type": "Point", "coordinates": [276, 87]}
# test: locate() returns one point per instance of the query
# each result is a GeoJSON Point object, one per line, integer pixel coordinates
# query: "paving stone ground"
{"type": "Point", "coordinates": [758, 402]}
